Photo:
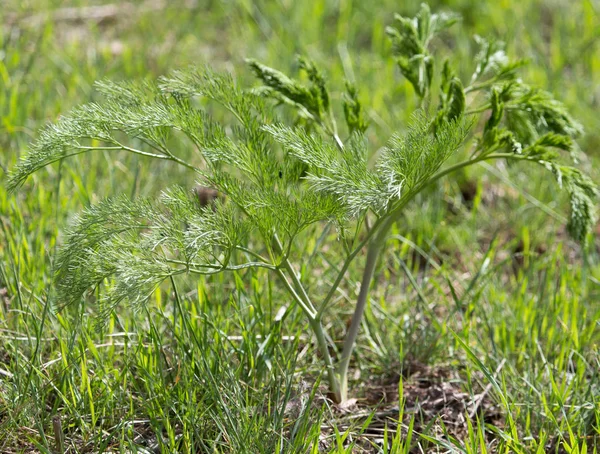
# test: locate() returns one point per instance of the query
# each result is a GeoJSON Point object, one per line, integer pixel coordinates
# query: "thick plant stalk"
{"type": "Point", "coordinates": [375, 247]}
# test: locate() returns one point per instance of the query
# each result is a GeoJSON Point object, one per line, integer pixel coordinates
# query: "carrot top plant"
{"type": "Point", "coordinates": [278, 179]}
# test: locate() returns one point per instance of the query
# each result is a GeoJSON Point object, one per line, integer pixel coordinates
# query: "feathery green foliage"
{"type": "Point", "coordinates": [279, 179]}
{"type": "Point", "coordinates": [410, 39]}
{"type": "Point", "coordinates": [353, 110]}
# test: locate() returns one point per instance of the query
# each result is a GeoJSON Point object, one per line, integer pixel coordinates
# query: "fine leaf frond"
{"type": "Point", "coordinates": [312, 102]}
{"type": "Point", "coordinates": [137, 274]}
{"type": "Point", "coordinates": [493, 63]}
{"type": "Point", "coordinates": [55, 142]}
{"type": "Point", "coordinates": [530, 113]}
{"type": "Point", "coordinates": [139, 244]}
{"type": "Point", "coordinates": [247, 108]}
{"type": "Point", "coordinates": [99, 126]}
{"type": "Point", "coordinates": [195, 82]}
{"type": "Point", "coordinates": [583, 195]}
{"type": "Point", "coordinates": [85, 259]}
{"type": "Point", "coordinates": [344, 174]}
{"type": "Point", "coordinates": [247, 147]}
{"type": "Point", "coordinates": [411, 158]}
{"type": "Point", "coordinates": [410, 39]}
{"type": "Point", "coordinates": [127, 92]}
{"type": "Point", "coordinates": [354, 111]}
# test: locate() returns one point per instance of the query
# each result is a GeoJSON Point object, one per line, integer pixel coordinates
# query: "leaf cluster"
{"type": "Point", "coordinates": [521, 122]}
{"type": "Point", "coordinates": [311, 103]}
{"type": "Point", "coordinates": [410, 40]}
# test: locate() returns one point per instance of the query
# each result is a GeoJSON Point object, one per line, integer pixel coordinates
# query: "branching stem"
{"type": "Point", "coordinates": [297, 284]}
{"type": "Point", "coordinates": [376, 239]}
{"type": "Point", "coordinates": [375, 247]}
{"type": "Point", "coordinates": [310, 313]}
{"type": "Point", "coordinates": [301, 296]}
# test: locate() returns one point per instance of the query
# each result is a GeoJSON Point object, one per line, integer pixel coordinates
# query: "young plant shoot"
{"type": "Point", "coordinates": [275, 178]}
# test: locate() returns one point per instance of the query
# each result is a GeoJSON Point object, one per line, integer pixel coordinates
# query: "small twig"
{"type": "Point", "coordinates": [58, 434]}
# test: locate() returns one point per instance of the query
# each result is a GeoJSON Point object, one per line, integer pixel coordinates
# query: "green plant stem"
{"type": "Point", "coordinates": [375, 247]}
{"type": "Point", "coordinates": [376, 239]}
{"type": "Point", "coordinates": [468, 162]}
{"type": "Point", "coordinates": [294, 276]}
{"type": "Point", "coordinates": [301, 296]}
{"type": "Point", "coordinates": [338, 392]}
{"type": "Point", "coordinates": [346, 265]}
{"type": "Point", "coordinates": [307, 310]}
{"type": "Point", "coordinates": [392, 215]}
